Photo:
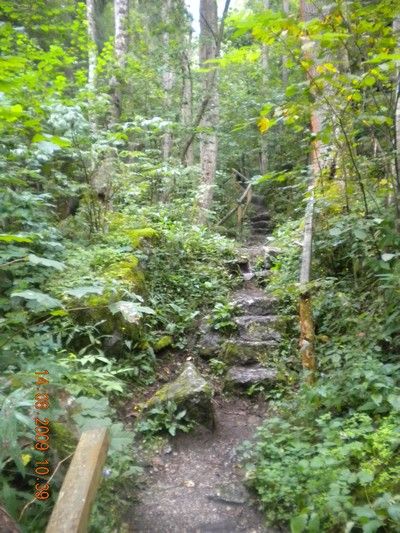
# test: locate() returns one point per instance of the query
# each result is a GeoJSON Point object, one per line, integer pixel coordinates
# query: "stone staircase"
{"type": "Point", "coordinates": [248, 352]}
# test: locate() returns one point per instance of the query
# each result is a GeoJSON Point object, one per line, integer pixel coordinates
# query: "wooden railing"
{"type": "Point", "coordinates": [242, 203]}
{"type": "Point", "coordinates": [71, 512]}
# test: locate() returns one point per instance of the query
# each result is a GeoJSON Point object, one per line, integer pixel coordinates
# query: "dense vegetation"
{"type": "Point", "coordinates": [111, 246]}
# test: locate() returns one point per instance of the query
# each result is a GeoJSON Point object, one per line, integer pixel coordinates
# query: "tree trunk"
{"type": "Point", "coordinates": [308, 11]}
{"type": "Point", "coordinates": [121, 8]}
{"type": "Point", "coordinates": [208, 139]}
{"type": "Point", "coordinates": [187, 103]}
{"type": "Point", "coordinates": [121, 11]}
{"type": "Point", "coordinates": [285, 72]}
{"type": "Point", "coordinates": [396, 31]}
{"type": "Point", "coordinates": [92, 46]}
{"type": "Point", "coordinates": [167, 78]}
{"type": "Point", "coordinates": [265, 77]}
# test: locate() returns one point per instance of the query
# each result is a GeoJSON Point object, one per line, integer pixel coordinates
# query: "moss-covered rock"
{"type": "Point", "coordinates": [189, 391]}
{"type": "Point", "coordinates": [241, 351]}
{"type": "Point", "coordinates": [163, 343]}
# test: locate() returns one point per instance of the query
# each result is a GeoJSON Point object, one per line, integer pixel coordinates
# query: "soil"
{"type": "Point", "coordinates": [196, 483]}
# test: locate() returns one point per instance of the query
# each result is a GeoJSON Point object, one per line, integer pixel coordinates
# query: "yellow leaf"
{"type": "Point", "coordinates": [264, 124]}
{"type": "Point", "coordinates": [25, 458]}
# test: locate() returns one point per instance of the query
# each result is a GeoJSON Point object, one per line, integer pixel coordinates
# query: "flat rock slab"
{"type": "Point", "coordinates": [254, 302]}
{"type": "Point", "coordinates": [258, 328]}
{"type": "Point", "coordinates": [174, 496]}
{"type": "Point", "coordinates": [245, 376]}
{"type": "Point", "coordinates": [189, 391]}
{"type": "Point", "coordinates": [242, 351]}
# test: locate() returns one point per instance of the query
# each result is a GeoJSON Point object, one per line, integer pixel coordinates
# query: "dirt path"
{"type": "Point", "coordinates": [196, 486]}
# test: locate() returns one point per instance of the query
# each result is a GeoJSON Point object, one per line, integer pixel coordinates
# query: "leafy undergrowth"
{"type": "Point", "coordinates": [93, 312]}
{"type": "Point", "coordinates": [329, 459]}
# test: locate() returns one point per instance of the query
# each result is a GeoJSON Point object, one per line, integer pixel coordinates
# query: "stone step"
{"type": "Point", "coordinates": [238, 351]}
{"type": "Point", "coordinates": [258, 328]}
{"type": "Point", "coordinates": [254, 302]}
{"type": "Point", "coordinates": [258, 200]}
{"type": "Point", "coordinates": [242, 377]}
{"type": "Point", "coordinates": [261, 224]}
{"type": "Point", "coordinates": [260, 217]}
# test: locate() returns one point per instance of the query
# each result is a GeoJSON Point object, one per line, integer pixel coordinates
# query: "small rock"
{"type": "Point", "coordinates": [157, 461]}
{"type": "Point", "coordinates": [189, 483]}
{"type": "Point", "coordinates": [209, 344]}
{"type": "Point", "coordinates": [245, 376]}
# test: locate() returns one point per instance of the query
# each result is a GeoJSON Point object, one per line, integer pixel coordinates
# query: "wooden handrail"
{"type": "Point", "coordinates": [71, 512]}
{"type": "Point", "coordinates": [243, 197]}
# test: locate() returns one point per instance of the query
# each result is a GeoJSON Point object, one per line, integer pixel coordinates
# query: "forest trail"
{"type": "Point", "coordinates": [196, 484]}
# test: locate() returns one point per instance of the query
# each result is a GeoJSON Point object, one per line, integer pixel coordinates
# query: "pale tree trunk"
{"type": "Point", "coordinates": [92, 48]}
{"type": "Point", "coordinates": [168, 78]}
{"type": "Point", "coordinates": [308, 11]}
{"type": "Point", "coordinates": [265, 77]}
{"type": "Point", "coordinates": [396, 31]}
{"type": "Point", "coordinates": [187, 102]}
{"type": "Point", "coordinates": [121, 12]}
{"type": "Point", "coordinates": [285, 72]}
{"type": "Point", "coordinates": [209, 120]}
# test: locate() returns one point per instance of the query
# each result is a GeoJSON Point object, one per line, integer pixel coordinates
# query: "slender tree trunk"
{"type": "Point", "coordinates": [187, 102]}
{"type": "Point", "coordinates": [308, 11]}
{"type": "Point", "coordinates": [209, 121]}
{"type": "Point", "coordinates": [396, 31]}
{"type": "Point", "coordinates": [285, 72]}
{"type": "Point", "coordinates": [168, 78]}
{"type": "Point", "coordinates": [207, 99]}
{"type": "Point", "coordinates": [265, 77]}
{"type": "Point", "coordinates": [92, 48]}
{"type": "Point", "coordinates": [121, 12]}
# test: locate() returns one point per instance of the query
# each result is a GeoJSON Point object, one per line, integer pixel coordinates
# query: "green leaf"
{"type": "Point", "coordinates": [376, 398]}
{"type": "Point", "coordinates": [394, 401]}
{"type": "Point", "coordinates": [53, 139]}
{"type": "Point", "coordinates": [298, 523]}
{"type": "Point", "coordinates": [335, 232]}
{"type": "Point", "coordinates": [80, 292]}
{"type": "Point", "coordinates": [394, 511]}
{"type": "Point", "coordinates": [36, 260]}
{"type": "Point", "coordinates": [372, 526]}
{"type": "Point", "coordinates": [314, 524]}
{"type": "Point", "coordinates": [6, 237]}
{"type": "Point", "coordinates": [12, 113]}
{"type": "Point", "coordinates": [42, 300]}
{"type": "Point", "coordinates": [387, 257]}
{"type": "Point", "coordinates": [365, 477]}
{"type": "Point", "coordinates": [131, 311]}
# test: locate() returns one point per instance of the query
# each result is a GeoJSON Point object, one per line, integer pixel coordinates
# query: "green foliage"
{"type": "Point", "coordinates": [218, 367]}
{"type": "Point", "coordinates": [330, 459]}
{"type": "Point", "coordinates": [222, 317]}
{"type": "Point", "coordinates": [164, 417]}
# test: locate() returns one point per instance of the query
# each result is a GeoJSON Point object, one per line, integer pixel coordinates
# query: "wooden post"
{"type": "Point", "coordinates": [308, 11]}
{"type": "Point", "coordinates": [72, 510]}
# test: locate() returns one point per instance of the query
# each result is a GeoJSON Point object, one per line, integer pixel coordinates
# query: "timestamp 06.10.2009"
{"type": "Point", "coordinates": [42, 435]}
